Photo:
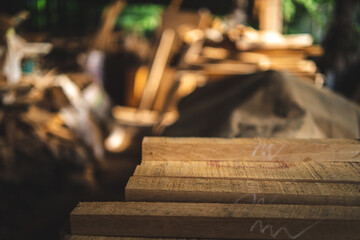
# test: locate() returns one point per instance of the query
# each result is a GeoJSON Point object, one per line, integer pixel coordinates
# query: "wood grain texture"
{"type": "Point", "coordinates": [219, 221]}
{"type": "Point", "coordinates": [164, 189]}
{"type": "Point", "coordinates": [257, 149]}
{"type": "Point", "coordinates": [341, 172]}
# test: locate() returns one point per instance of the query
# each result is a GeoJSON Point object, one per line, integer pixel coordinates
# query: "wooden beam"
{"type": "Point", "coordinates": [104, 39]}
{"type": "Point", "coordinates": [335, 172]}
{"type": "Point", "coordinates": [164, 189]}
{"type": "Point", "coordinates": [220, 221]}
{"type": "Point", "coordinates": [256, 149]}
{"type": "Point", "coordinates": [270, 16]}
{"type": "Point", "coordinates": [156, 72]}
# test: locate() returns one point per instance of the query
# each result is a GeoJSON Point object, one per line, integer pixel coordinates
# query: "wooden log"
{"type": "Point", "coordinates": [256, 149]}
{"type": "Point", "coordinates": [162, 189]}
{"type": "Point", "coordinates": [219, 221]}
{"type": "Point", "coordinates": [336, 172]}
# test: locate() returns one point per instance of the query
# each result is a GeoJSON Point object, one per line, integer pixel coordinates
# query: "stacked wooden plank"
{"type": "Point", "coordinates": [235, 189]}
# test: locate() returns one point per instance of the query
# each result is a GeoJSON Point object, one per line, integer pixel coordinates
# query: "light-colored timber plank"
{"type": "Point", "coordinates": [165, 189]}
{"type": "Point", "coordinates": [343, 172]}
{"type": "Point", "coordinates": [255, 149]}
{"type": "Point", "coordinates": [219, 221]}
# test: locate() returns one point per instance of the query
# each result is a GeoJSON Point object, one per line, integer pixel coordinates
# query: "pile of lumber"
{"type": "Point", "coordinates": [294, 61]}
{"type": "Point", "coordinates": [31, 126]}
{"type": "Point", "coordinates": [233, 189]}
{"type": "Point", "coordinates": [37, 150]}
{"type": "Point", "coordinates": [44, 165]}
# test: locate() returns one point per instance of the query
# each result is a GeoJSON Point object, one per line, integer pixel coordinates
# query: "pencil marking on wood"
{"type": "Point", "coordinates": [357, 155]}
{"type": "Point", "coordinates": [261, 200]}
{"type": "Point", "coordinates": [267, 150]}
{"type": "Point", "coordinates": [284, 229]}
{"type": "Point", "coordinates": [253, 195]}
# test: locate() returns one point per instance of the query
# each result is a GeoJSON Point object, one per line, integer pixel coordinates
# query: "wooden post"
{"type": "Point", "coordinates": [270, 15]}
{"type": "Point", "coordinates": [157, 69]}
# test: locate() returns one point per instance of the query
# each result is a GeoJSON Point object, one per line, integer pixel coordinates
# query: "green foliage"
{"type": "Point", "coordinates": [288, 10]}
{"type": "Point", "coordinates": [140, 18]}
{"type": "Point", "coordinates": [307, 16]}
{"type": "Point", "coordinates": [312, 7]}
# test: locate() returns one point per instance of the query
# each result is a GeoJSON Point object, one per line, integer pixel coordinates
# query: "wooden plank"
{"type": "Point", "coordinates": [220, 221]}
{"type": "Point", "coordinates": [342, 172]}
{"type": "Point", "coordinates": [256, 149]}
{"type": "Point", "coordinates": [164, 189]}
{"type": "Point", "coordinates": [156, 72]}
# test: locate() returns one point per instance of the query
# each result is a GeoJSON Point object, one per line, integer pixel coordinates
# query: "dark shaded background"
{"type": "Point", "coordinates": [78, 17]}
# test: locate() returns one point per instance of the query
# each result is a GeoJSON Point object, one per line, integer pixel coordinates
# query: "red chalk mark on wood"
{"type": "Point", "coordinates": [277, 165]}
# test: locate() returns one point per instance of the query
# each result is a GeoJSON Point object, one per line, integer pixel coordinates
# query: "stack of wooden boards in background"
{"type": "Point", "coordinates": [234, 189]}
